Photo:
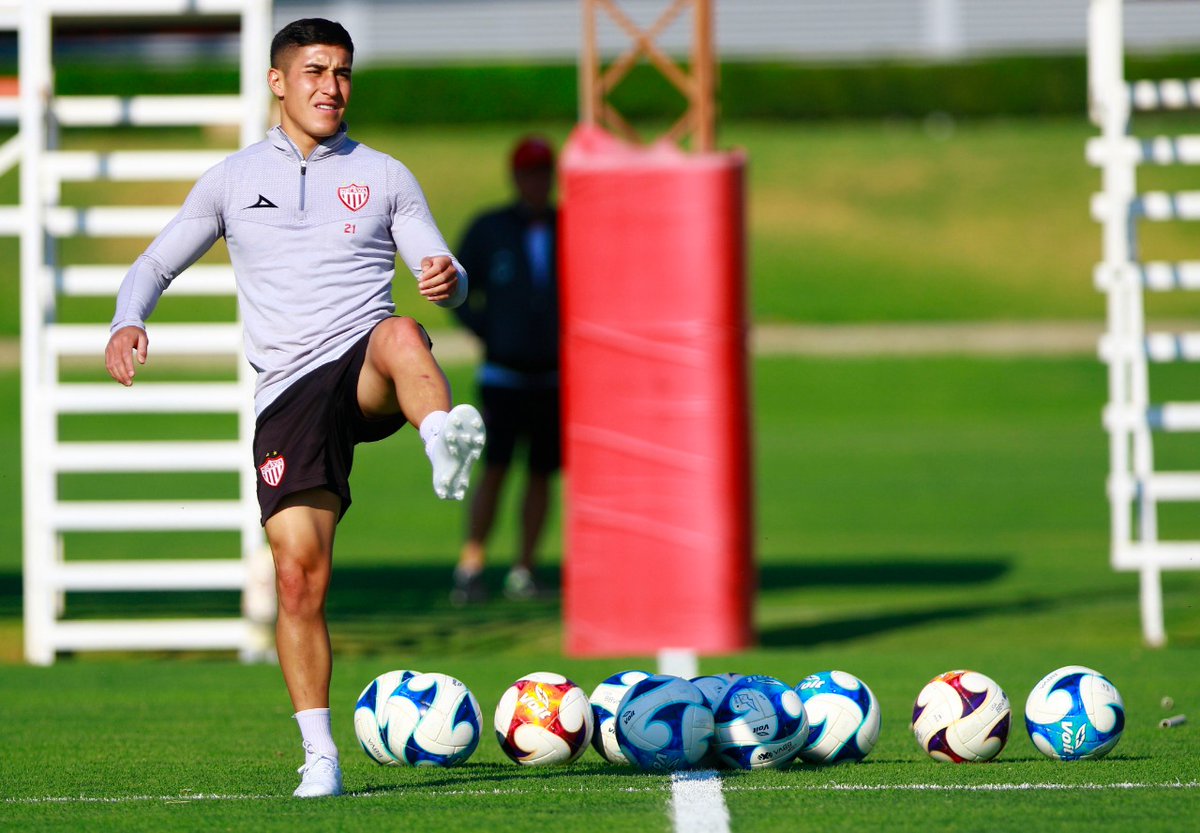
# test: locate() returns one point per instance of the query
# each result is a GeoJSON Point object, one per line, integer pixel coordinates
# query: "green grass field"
{"type": "Point", "coordinates": [913, 515]}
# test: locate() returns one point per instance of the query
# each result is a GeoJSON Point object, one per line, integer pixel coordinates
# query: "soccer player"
{"type": "Point", "coordinates": [510, 253]}
{"type": "Point", "coordinates": [313, 221]}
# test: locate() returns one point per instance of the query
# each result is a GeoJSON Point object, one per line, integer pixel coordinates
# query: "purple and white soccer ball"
{"type": "Point", "coordinates": [961, 716]}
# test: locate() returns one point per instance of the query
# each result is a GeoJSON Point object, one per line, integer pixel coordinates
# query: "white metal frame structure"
{"type": "Point", "coordinates": [1135, 486]}
{"type": "Point", "coordinates": [49, 574]}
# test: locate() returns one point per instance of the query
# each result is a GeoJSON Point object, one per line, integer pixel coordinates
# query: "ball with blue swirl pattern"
{"type": "Point", "coordinates": [664, 724]}
{"type": "Point", "coordinates": [605, 699]}
{"type": "Point", "coordinates": [843, 718]}
{"type": "Point", "coordinates": [1075, 714]}
{"type": "Point", "coordinates": [760, 723]}
{"type": "Point", "coordinates": [423, 720]}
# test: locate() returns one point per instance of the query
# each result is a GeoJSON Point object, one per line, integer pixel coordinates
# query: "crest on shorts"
{"type": "Point", "coordinates": [354, 196]}
{"type": "Point", "coordinates": [272, 469]}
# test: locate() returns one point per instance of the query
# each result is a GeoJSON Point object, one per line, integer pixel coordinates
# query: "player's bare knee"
{"type": "Point", "coordinates": [301, 591]}
{"type": "Point", "coordinates": [400, 334]}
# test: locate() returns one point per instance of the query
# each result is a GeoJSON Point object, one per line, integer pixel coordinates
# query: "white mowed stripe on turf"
{"type": "Point", "coordinates": [697, 803]}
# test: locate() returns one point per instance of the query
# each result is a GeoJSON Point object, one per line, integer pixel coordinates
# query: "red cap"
{"type": "Point", "coordinates": [532, 152]}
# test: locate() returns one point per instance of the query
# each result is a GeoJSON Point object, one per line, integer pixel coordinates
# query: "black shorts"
{"type": "Point", "coordinates": [305, 439]}
{"type": "Point", "coordinates": [511, 415]}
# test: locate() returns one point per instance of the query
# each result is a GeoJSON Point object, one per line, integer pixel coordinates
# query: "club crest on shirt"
{"type": "Point", "coordinates": [354, 196]}
{"type": "Point", "coordinates": [272, 469]}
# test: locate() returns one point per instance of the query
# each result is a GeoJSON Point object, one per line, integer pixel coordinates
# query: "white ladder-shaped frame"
{"type": "Point", "coordinates": [1135, 487]}
{"type": "Point", "coordinates": [48, 574]}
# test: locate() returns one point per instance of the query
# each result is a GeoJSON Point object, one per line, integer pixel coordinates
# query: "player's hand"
{"type": "Point", "coordinates": [122, 346]}
{"type": "Point", "coordinates": [438, 278]}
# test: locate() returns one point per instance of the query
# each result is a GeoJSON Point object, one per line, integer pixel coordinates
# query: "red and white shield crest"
{"type": "Point", "coordinates": [353, 196]}
{"type": "Point", "coordinates": [272, 470]}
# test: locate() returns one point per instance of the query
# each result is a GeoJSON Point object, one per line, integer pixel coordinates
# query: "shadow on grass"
{"type": "Point", "coordinates": [843, 630]}
{"type": "Point", "coordinates": [898, 570]}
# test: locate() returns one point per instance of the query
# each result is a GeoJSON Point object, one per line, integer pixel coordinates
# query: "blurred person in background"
{"type": "Point", "coordinates": [510, 253]}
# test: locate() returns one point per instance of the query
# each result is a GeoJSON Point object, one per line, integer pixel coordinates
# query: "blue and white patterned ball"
{"type": "Point", "coordinates": [605, 700]}
{"type": "Point", "coordinates": [760, 723]}
{"type": "Point", "coordinates": [430, 720]}
{"type": "Point", "coordinates": [664, 724]}
{"type": "Point", "coordinates": [713, 686]}
{"type": "Point", "coordinates": [370, 715]}
{"type": "Point", "coordinates": [843, 717]}
{"type": "Point", "coordinates": [1075, 714]}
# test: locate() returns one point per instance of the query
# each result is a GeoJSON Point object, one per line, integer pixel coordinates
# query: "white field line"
{"type": "Point", "coordinates": [697, 803]}
{"type": "Point", "coordinates": [185, 798]}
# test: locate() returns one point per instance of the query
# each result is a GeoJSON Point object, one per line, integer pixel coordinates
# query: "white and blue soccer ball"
{"type": "Point", "coordinates": [371, 717]}
{"type": "Point", "coordinates": [425, 720]}
{"type": "Point", "coordinates": [760, 723]}
{"type": "Point", "coordinates": [713, 686]}
{"type": "Point", "coordinates": [605, 700]}
{"type": "Point", "coordinates": [1075, 714]}
{"type": "Point", "coordinates": [843, 717]}
{"type": "Point", "coordinates": [664, 724]}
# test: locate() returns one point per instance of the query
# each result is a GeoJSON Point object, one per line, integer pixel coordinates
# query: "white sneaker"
{"type": "Point", "coordinates": [323, 777]}
{"type": "Point", "coordinates": [455, 450]}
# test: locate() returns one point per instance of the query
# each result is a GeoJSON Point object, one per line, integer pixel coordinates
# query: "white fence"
{"type": "Point", "coordinates": [61, 533]}
{"type": "Point", "coordinates": [1136, 484]}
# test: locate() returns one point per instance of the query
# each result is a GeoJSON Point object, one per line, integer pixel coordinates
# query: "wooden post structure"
{"type": "Point", "coordinates": [698, 87]}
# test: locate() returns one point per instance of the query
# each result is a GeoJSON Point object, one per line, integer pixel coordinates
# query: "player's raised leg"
{"type": "Point", "coordinates": [301, 534]}
{"type": "Point", "coordinates": [400, 375]}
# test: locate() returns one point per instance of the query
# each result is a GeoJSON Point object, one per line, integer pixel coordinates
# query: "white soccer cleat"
{"type": "Point", "coordinates": [455, 450]}
{"type": "Point", "coordinates": [319, 779]}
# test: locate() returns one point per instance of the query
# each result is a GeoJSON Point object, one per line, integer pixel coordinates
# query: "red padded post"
{"type": "Point", "coordinates": [655, 414]}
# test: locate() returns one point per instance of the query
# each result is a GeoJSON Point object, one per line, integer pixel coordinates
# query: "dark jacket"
{"type": "Point", "coordinates": [516, 320]}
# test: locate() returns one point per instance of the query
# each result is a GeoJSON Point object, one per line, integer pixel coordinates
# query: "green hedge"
{"type": "Point", "coordinates": [1008, 86]}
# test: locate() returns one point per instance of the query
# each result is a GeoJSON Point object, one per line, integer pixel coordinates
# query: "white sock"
{"type": "Point", "coordinates": [431, 426]}
{"type": "Point", "coordinates": [315, 729]}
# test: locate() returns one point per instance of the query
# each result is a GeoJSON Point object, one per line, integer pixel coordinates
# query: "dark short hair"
{"type": "Point", "coordinates": [306, 32]}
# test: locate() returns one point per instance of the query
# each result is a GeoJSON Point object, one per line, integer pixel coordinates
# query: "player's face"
{"type": "Point", "coordinates": [313, 88]}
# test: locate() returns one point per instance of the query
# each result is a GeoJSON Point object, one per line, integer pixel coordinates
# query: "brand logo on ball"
{"type": "Point", "coordinates": [354, 196]}
{"type": "Point", "coordinates": [272, 470]}
{"type": "Point", "coordinates": [538, 702]}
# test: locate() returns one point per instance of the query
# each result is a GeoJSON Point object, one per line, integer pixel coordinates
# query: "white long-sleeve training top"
{"type": "Point", "coordinates": [313, 243]}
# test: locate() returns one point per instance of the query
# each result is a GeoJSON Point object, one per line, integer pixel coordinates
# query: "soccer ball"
{"type": "Point", "coordinates": [713, 687]}
{"type": "Point", "coordinates": [604, 700]}
{"type": "Point", "coordinates": [759, 723]}
{"type": "Point", "coordinates": [1075, 714]}
{"type": "Point", "coordinates": [961, 716]}
{"type": "Point", "coordinates": [543, 719]}
{"type": "Point", "coordinates": [843, 717]}
{"type": "Point", "coordinates": [370, 715]}
{"type": "Point", "coordinates": [425, 720]}
{"type": "Point", "coordinates": [664, 724]}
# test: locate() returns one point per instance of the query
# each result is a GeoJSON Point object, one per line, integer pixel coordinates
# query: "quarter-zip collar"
{"type": "Point", "coordinates": [325, 147]}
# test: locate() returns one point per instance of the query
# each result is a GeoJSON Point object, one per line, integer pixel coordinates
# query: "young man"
{"type": "Point", "coordinates": [511, 255]}
{"type": "Point", "coordinates": [313, 222]}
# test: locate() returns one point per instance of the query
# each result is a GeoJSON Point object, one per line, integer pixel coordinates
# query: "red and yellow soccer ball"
{"type": "Point", "coordinates": [544, 719]}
